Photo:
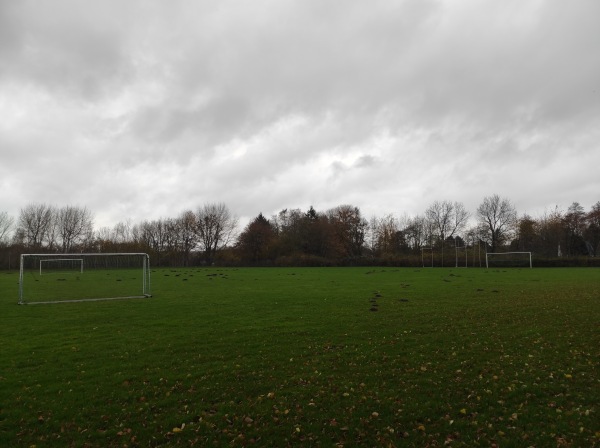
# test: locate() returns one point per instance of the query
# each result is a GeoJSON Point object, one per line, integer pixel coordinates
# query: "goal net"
{"type": "Point", "coordinates": [508, 259]}
{"type": "Point", "coordinates": [56, 278]}
{"type": "Point", "coordinates": [61, 265]}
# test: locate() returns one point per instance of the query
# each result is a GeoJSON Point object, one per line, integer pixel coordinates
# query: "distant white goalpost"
{"type": "Point", "coordinates": [509, 259]}
{"type": "Point", "coordinates": [60, 278]}
{"type": "Point", "coordinates": [456, 251]}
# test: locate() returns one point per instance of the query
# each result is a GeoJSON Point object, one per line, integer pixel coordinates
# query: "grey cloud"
{"type": "Point", "coordinates": [365, 161]}
{"type": "Point", "coordinates": [70, 47]}
{"type": "Point", "coordinates": [219, 120]}
{"type": "Point", "coordinates": [263, 101]}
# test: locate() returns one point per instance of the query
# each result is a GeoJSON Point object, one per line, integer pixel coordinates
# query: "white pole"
{"type": "Point", "coordinates": [21, 281]}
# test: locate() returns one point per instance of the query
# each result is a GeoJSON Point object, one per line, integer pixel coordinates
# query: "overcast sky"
{"type": "Point", "coordinates": [142, 109]}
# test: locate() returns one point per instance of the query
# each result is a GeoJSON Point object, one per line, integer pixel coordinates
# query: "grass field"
{"type": "Point", "coordinates": [65, 286]}
{"type": "Point", "coordinates": [309, 357]}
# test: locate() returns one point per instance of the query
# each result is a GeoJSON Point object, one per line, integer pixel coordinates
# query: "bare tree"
{"type": "Point", "coordinates": [74, 226]}
{"type": "Point", "coordinates": [550, 232]}
{"type": "Point", "coordinates": [474, 235]}
{"type": "Point", "coordinates": [6, 225]}
{"type": "Point", "coordinates": [575, 225]}
{"type": "Point", "coordinates": [460, 219]}
{"type": "Point", "coordinates": [417, 232]}
{"type": "Point", "coordinates": [498, 216]}
{"type": "Point", "coordinates": [215, 228]}
{"type": "Point", "coordinates": [439, 216]}
{"type": "Point", "coordinates": [102, 237]}
{"type": "Point", "coordinates": [448, 218]}
{"type": "Point", "coordinates": [172, 236]}
{"type": "Point", "coordinates": [35, 224]}
{"type": "Point", "coordinates": [188, 236]}
{"type": "Point", "coordinates": [121, 232]}
{"type": "Point", "coordinates": [153, 235]}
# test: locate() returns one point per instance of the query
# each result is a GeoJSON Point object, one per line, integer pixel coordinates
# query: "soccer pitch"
{"type": "Point", "coordinates": [309, 357]}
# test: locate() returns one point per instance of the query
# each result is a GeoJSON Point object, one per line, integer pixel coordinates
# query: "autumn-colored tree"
{"type": "Point", "coordinates": [288, 225]}
{"type": "Point", "coordinates": [299, 233]}
{"type": "Point", "coordinates": [526, 235]}
{"type": "Point", "coordinates": [256, 240]}
{"type": "Point", "coordinates": [388, 239]}
{"type": "Point", "coordinates": [316, 234]}
{"type": "Point", "coordinates": [349, 230]}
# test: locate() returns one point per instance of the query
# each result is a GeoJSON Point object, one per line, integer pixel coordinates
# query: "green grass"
{"type": "Point", "coordinates": [309, 357]}
{"type": "Point", "coordinates": [56, 286]}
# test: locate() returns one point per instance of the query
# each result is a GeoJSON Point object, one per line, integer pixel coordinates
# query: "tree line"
{"type": "Point", "coordinates": [338, 236]}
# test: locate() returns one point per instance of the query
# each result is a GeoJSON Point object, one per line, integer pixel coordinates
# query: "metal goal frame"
{"type": "Point", "coordinates": [145, 287]}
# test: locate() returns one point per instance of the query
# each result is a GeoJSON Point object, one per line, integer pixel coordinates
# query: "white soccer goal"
{"type": "Point", "coordinates": [508, 259]}
{"type": "Point", "coordinates": [58, 278]}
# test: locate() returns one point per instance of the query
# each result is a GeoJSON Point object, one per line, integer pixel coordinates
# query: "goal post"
{"type": "Point", "coordinates": [58, 278]}
{"type": "Point", "coordinates": [509, 259]}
